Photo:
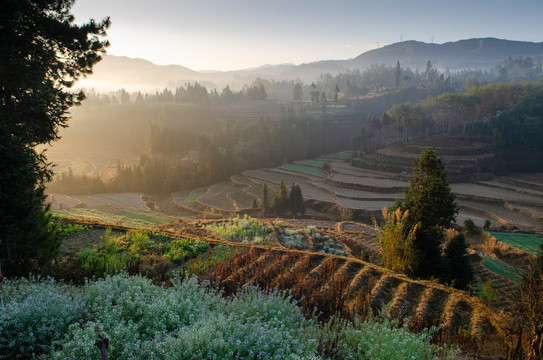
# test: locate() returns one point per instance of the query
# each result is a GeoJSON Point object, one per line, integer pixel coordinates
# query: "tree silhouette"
{"type": "Point", "coordinates": [42, 54]}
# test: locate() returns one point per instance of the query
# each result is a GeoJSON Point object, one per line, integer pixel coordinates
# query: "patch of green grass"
{"type": "Point", "coordinates": [193, 196]}
{"type": "Point", "coordinates": [137, 251]}
{"type": "Point", "coordinates": [529, 243]}
{"type": "Point", "coordinates": [303, 169]}
{"type": "Point", "coordinates": [133, 217]}
{"type": "Point", "coordinates": [312, 162]}
{"type": "Point", "coordinates": [501, 268]}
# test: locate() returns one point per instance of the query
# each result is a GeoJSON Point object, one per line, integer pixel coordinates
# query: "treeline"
{"type": "Point", "coordinates": [181, 159]}
{"type": "Point", "coordinates": [382, 78]}
{"type": "Point", "coordinates": [509, 116]}
{"type": "Point", "coordinates": [193, 93]}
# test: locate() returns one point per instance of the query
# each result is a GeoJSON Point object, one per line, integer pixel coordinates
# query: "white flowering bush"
{"type": "Point", "coordinates": [383, 340]}
{"type": "Point", "coordinates": [187, 320]}
{"type": "Point", "coordinates": [35, 316]}
{"type": "Point", "coordinates": [293, 238]}
{"type": "Point", "coordinates": [244, 229]}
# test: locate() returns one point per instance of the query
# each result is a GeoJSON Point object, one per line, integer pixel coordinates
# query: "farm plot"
{"type": "Point", "coordinates": [529, 243]}
{"type": "Point", "coordinates": [525, 182]}
{"type": "Point", "coordinates": [110, 201]}
{"type": "Point", "coordinates": [61, 201]}
{"type": "Point", "coordinates": [240, 200]}
{"type": "Point", "coordinates": [500, 213]}
{"type": "Point", "coordinates": [217, 197]}
{"type": "Point", "coordinates": [501, 268]}
{"type": "Point", "coordinates": [535, 212]}
{"type": "Point", "coordinates": [532, 178]}
{"type": "Point", "coordinates": [303, 169]}
{"type": "Point", "coordinates": [367, 183]}
{"type": "Point", "coordinates": [370, 205]}
{"type": "Point", "coordinates": [342, 155]}
{"type": "Point", "coordinates": [355, 193]}
{"type": "Point", "coordinates": [241, 180]}
{"type": "Point", "coordinates": [311, 193]}
{"type": "Point", "coordinates": [128, 217]}
{"type": "Point", "coordinates": [510, 187]}
{"type": "Point", "coordinates": [274, 177]}
{"type": "Point", "coordinates": [477, 218]}
{"type": "Point", "coordinates": [348, 169]}
{"type": "Point", "coordinates": [481, 191]}
{"type": "Point", "coordinates": [131, 200]}
{"type": "Point", "coordinates": [312, 162]}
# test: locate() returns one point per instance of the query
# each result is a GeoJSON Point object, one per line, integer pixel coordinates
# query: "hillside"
{"type": "Point", "coordinates": [471, 53]}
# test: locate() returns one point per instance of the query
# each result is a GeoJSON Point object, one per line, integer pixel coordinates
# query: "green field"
{"type": "Point", "coordinates": [529, 243]}
{"type": "Point", "coordinates": [303, 169]}
{"type": "Point", "coordinates": [501, 268]}
{"type": "Point", "coordinates": [193, 196]}
{"type": "Point", "coordinates": [139, 218]}
{"type": "Point", "coordinates": [312, 162]}
{"type": "Point", "coordinates": [342, 155]}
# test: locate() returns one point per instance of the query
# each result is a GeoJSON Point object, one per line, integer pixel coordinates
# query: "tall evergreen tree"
{"type": "Point", "coordinates": [296, 200]}
{"type": "Point", "coordinates": [280, 200]}
{"type": "Point", "coordinates": [42, 54]}
{"type": "Point", "coordinates": [264, 199]}
{"type": "Point", "coordinates": [456, 267]}
{"type": "Point", "coordinates": [432, 205]}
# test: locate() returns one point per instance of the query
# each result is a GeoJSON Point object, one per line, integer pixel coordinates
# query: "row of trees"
{"type": "Point", "coordinates": [283, 201]}
{"type": "Point", "coordinates": [193, 93]}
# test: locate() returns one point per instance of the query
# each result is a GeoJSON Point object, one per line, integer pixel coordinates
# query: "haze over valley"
{"type": "Point", "coordinates": [302, 180]}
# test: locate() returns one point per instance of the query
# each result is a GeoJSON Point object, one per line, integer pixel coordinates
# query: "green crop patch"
{"type": "Point", "coordinates": [132, 217]}
{"type": "Point", "coordinates": [529, 243]}
{"type": "Point", "coordinates": [501, 268]}
{"type": "Point", "coordinates": [343, 155]}
{"type": "Point", "coordinates": [312, 162]}
{"type": "Point", "coordinates": [303, 169]}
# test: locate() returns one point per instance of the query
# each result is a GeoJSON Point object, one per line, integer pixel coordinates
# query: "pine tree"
{"type": "Point", "coordinates": [264, 199]}
{"type": "Point", "coordinates": [42, 54]}
{"type": "Point", "coordinates": [296, 200]}
{"type": "Point", "coordinates": [280, 201]}
{"type": "Point", "coordinates": [456, 267]}
{"type": "Point", "coordinates": [431, 204]}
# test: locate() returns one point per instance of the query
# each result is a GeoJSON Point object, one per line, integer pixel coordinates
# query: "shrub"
{"type": "Point", "coordinates": [35, 316]}
{"type": "Point", "coordinates": [374, 339]}
{"type": "Point", "coordinates": [469, 225]}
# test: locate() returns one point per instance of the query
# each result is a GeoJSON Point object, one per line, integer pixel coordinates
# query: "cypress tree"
{"type": "Point", "coordinates": [431, 204]}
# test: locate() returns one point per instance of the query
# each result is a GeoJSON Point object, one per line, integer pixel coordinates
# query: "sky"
{"type": "Point", "coordinates": [237, 34]}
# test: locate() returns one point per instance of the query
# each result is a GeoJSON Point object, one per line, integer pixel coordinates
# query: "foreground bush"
{"type": "Point", "coordinates": [35, 315]}
{"type": "Point", "coordinates": [188, 320]}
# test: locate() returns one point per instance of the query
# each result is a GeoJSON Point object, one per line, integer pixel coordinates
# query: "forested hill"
{"type": "Point", "coordinates": [471, 53]}
{"type": "Point", "coordinates": [137, 74]}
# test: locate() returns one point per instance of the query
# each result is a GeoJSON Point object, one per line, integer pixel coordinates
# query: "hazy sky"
{"type": "Point", "coordinates": [236, 34]}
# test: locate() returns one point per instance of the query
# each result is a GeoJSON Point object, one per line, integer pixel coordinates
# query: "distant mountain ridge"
{"type": "Point", "coordinates": [471, 53]}
{"type": "Point", "coordinates": [117, 72]}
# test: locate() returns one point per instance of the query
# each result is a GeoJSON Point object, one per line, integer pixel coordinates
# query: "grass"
{"type": "Point", "coordinates": [501, 268]}
{"type": "Point", "coordinates": [529, 243]}
{"type": "Point", "coordinates": [312, 162]}
{"type": "Point", "coordinates": [133, 217]}
{"type": "Point", "coordinates": [193, 196]}
{"type": "Point", "coordinates": [303, 169]}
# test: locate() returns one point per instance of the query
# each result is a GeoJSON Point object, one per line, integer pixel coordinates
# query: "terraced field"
{"type": "Point", "coordinates": [333, 283]}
